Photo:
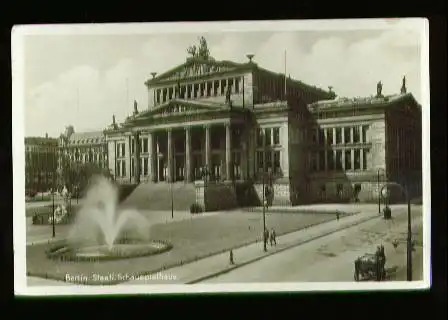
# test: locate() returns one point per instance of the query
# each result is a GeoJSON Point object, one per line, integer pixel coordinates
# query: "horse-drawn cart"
{"type": "Point", "coordinates": [371, 266]}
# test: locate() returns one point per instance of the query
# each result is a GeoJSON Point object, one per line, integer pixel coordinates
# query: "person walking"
{"type": "Point", "coordinates": [273, 237]}
{"type": "Point", "coordinates": [266, 236]}
{"type": "Point", "coordinates": [231, 257]}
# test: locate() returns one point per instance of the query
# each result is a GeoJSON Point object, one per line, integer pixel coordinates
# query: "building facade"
{"type": "Point", "coordinates": [247, 124]}
{"type": "Point", "coordinates": [41, 159]}
{"type": "Point", "coordinates": [81, 148]}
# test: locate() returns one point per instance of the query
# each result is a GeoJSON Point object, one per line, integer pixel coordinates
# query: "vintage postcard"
{"type": "Point", "coordinates": [221, 157]}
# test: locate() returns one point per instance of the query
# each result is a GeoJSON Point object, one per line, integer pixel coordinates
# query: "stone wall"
{"type": "Point", "coordinates": [281, 194]}
{"type": "Point", "coordinates": [215, 196]}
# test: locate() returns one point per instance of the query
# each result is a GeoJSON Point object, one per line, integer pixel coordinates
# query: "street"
{"type": "Point", "coordinates": [331, 258]}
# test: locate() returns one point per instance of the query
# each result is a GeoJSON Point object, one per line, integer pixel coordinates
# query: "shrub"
{"type": "Point", "coordinates": [196, 208]}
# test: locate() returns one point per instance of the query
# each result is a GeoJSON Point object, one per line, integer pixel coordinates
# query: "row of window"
{"type": "Point", "coordinates": [268, 161]}
{"type": "Point", "coordinates": [197, 90]}
{"type": "Point", "coordinates": [268, 137]}
{"type": "Point", "coordinates": [340, 135]}
{"type": "Point", "coordinates": [339, 160]}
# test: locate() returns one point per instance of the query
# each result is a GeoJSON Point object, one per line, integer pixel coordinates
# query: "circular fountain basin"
{"type": "Point", "coordinates": [121, 250]}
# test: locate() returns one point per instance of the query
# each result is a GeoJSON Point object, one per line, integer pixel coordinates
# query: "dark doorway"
{"type": "Point", "coordinates": [356, 191]}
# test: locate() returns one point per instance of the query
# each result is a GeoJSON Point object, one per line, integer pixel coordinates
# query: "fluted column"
{"type": "Point", "coordinates": [137, 157]}
{"type": "Point", "coordinates": [187, 154]}
{"type": "Point", "coordinates": [207, 146]}
{"type": "Point", "coordinates": [229, 167]}
{"type": "Point", "coordinates": [151, 158]}
{"type": "Point", "coordinates": [170, 155]}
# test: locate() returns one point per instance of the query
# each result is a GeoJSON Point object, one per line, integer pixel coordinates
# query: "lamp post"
{"type": "Point", "coordinates": [264, 197]}
{"type": "Point", "coordinates": [409, 236]}
{"type": "Point", "coordinates": [379, 193]}
{"type": "Point", "coordinates": [52, 221]}
{"type": "Point", "coordinates": [172, 196]}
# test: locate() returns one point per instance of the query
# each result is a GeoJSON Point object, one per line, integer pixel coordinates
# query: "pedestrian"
{"type": "Point", "coordinates": [273, 237]}
{"type": "Point", "coordinates": [231, 257]}
{"type": "Point", "coordinates": [337, 215]}
{"type": "Point", "coordinates": [266, 236]}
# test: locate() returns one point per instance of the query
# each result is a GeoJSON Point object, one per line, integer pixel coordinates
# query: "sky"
{"type": "Point", "coordinates": [84, 79]}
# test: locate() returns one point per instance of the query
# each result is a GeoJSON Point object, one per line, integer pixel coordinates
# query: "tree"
{"type": "Point", "coordinates": [78, 174]}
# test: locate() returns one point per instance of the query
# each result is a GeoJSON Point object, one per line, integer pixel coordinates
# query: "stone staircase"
{"type": "Point", "coordinates": [157, 196]}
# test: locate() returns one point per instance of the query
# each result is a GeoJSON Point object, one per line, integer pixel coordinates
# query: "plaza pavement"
{"type": "Point", "coordinates": [208, 267]}
{"type": "Point", "coordinates": [331, 258]}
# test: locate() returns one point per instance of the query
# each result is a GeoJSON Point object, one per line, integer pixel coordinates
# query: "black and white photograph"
{"type": "Point", "coordinates": [233, 156]}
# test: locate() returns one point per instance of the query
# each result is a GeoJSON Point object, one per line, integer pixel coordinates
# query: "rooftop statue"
{"type": "Point", "coordinates": [379, 89]}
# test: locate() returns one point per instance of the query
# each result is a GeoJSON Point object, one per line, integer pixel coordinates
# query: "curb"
{"type": "Point", "coordinates": [300, 242]}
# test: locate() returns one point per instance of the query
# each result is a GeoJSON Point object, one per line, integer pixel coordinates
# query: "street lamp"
{"type": "Point", "coordinates": [172, 196]}
{"type": "Point", "coordinates": [409, 237]}
{"type": "Point", "coordinates": [52, 221]}
{"type": "Point", "coordinates": [379, 193]}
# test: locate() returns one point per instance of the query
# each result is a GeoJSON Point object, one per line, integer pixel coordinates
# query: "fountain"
{"type": "Point", "coordinates": [103, 232]}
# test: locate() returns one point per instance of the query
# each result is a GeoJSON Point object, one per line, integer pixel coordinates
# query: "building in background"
{"type": "Point", "coordinates": [80, 149]}
{"type": "Point", "coordinates": [356, 141]}
{"type": "Point", "coordinates": [41, 160]}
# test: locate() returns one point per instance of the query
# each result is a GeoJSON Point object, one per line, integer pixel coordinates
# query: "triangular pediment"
{"type": "Point", "coordinates": [177, 107]}
{"type": "Point", "coordinates": [196, 68]}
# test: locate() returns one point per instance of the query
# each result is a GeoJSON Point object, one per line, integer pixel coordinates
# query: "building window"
{"type": "Point", "coordinates": [322, 155]}
{"type": "Point", "coordinates": [145, 166]}
{"type": "Point", "coordinates": [276, 134]}
{"type": "Point", "coordinates": [260, 137]}
{"type": "Point", "coordinates": [260, 161]}
{"type": "Point", "coordinates": [347, 135]}
{"type": "Point", "coordinates": [356, 135]}
{"type": "Point", "coordinates": [277, 167]}
{"type": "Point", "coordinates": [267, 134]}
{"type": "Point", "coordinates": [338, 160]}
{"type": "Point", "coordinates": [329, 136]}
{"type": "Point", "coordinates": [330, 159]}
{"type": "Point", "coordinates": [338, 135]}
{"type": "Point", "coordinates": [357, 164]}
{"type": "Point", "coordinates": [364, 159]}
{"type": "Point", "coordinates": [364, 133]}
{"type": "Point", "coordinates": [144, 146]}
{"type": "Point", "coordinates": [269, 161]}
{"type": "Point", "coordinates": [348, 160]}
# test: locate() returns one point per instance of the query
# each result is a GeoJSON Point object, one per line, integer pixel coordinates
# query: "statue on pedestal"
{"type": "Point", "coordinates": [379, 89]}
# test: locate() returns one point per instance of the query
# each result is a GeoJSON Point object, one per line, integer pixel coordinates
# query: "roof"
{"type": "Point", "coordinates": [94, 137]}
{"type": "Point", "coordinates": [372, 101]}
{"type": "Point", "coordinates": [40, 141]}
{"type": "Point", "coordinates": [197, 67]}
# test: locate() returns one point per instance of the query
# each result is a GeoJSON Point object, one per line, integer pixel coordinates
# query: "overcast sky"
{"type": "Point", "coordinates": [99, 66]}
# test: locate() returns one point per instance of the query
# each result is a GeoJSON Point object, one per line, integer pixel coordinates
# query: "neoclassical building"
{"type": "Point", "coordinates": [41, 160]}
{"type": "Point", "coordinates": [81, 147]}
{"type": "Point", "coordinates": [240, 121]}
